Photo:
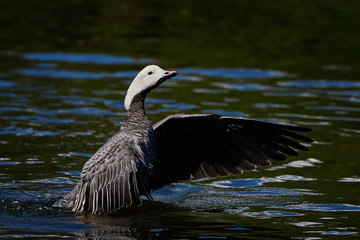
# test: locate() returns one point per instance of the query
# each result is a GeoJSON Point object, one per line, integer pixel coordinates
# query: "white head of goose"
{"type": "Point", "coordinates": [146, 80]}
{"type": "Point", "coordinates": [142, 157]}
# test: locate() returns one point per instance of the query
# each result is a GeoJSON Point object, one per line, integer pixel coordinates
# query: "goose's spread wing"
{"type": "Point", "coordinates": [207, 146]}
{"type": "Point", "coordinates": [111, 179]}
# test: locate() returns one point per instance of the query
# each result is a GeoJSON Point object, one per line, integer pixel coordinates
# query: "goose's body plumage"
{"type": "Point", "coordinates": [143, 157]}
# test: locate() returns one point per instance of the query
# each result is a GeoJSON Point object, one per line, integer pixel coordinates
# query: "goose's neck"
{"type": "Point", "coordinates": [137, 119]}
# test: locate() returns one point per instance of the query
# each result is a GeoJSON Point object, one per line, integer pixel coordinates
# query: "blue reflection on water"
{"type": "Point", "coordinates": [56, 73]}
{"type": "Point", "coordinates": [242, 86]}
{"type": "Point", "coordinates": [352, 93]}
{"type": "Point", "coordinates": [10, 109]}
{"type": "Point", "coordinates": [26, 132]}
{"type": "Point", "coordinates": [332, 118]}
{"type": "Point", "coordinates": [320, 83]}
{"type": "Point", "coordinates": [238, 183]}
{"type": "Point", "coordinates": [40, 119]}
{"type": "Point", "coordinates": [238, 229]}
{"type": "Point", "coordinates": [268, 214]}
{"type": "Point", "coordinates": [323, 207]}
{"type": "Point", "coordinates": [182, 106]}
{"type": "Point", "coordinates": [5, 84]}
{"type": "Point", "coordinates": [338, 233]}
{"type": "Point", "coordinates": [83, 58]}
{"type": "Point", "coordinates": [46, 68]}
{"type": "Point", "coordinates": [86, 111]}
{"type": "Point", "coordinates": [70, 74]}
{"type": "Point", "coordinates": [233, 72]}
{"type": "Point", "coordinates": [222, 112]}
{"type": "Point", "coordinates": [332, 108]}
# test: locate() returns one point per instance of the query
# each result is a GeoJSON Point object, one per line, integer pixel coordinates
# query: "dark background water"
{"type": "Point", "coordinates": [66, 65]}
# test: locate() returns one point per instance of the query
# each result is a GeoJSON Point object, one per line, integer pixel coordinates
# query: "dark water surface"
{"type": "Point", "coordinates": [64, 71]}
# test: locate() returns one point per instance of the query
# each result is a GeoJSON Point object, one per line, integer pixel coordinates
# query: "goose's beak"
{"type": "Point", "coordinates": [169, 74]}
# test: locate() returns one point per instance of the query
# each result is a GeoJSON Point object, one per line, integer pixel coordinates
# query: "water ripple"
{"type": "Point", "coordinates": [255, 182]}
{"type": "Point", "coordinates": [310, 162]}
{"type": "Point", "coordinates": [233, 72]}
{"type": "Point", "coordinates": [271, 105]}
{"type": "Point", "coordinates": [181, 106]}
{"type": "Point", "coordinates": [85, 111]}
{"type": "Point", "coordinates": [305, 224]}
{"type": "Point", "coordinates": [319, 83]}
{"type": "Point", "coordinates": [71, 74]}
{"type": "Point", "coordinates": [40, 119]}
{"type": "Point", "coordinates": [333, 108]}
{"type": "Point", "coordinates": [222, 112]}
{"type": "Point", "coordinates": [339, 233]}
{"type": "Point", "coordinates": [291, 94]}
{"type": "Point", "coordinates": [83, 58]}
{"type": "Point", "coordinates": [330, 118]}
{"type": "Point", "coordinates": [268, 214]}
{"type": "Point", "coordinates": [323, 207]}
{"type": "Point", "coordinates": [242, 86]}
{"type": "Point", "coordinates": [350, 179]}
{"type": "Point", "coordinates": [27, 132]}
{"type": "Point", "coordinates": [5, 84]}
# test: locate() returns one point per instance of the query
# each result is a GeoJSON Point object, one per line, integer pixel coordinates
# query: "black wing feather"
{"type": "Point", "coordinates": [206, 146]}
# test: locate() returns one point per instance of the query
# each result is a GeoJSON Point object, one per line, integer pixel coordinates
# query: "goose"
{"type": "Point", "coordinates": [142, 157]}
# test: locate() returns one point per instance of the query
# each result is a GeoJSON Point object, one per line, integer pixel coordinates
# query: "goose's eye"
{"type": "Point", "coordinates": [149, 73]}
